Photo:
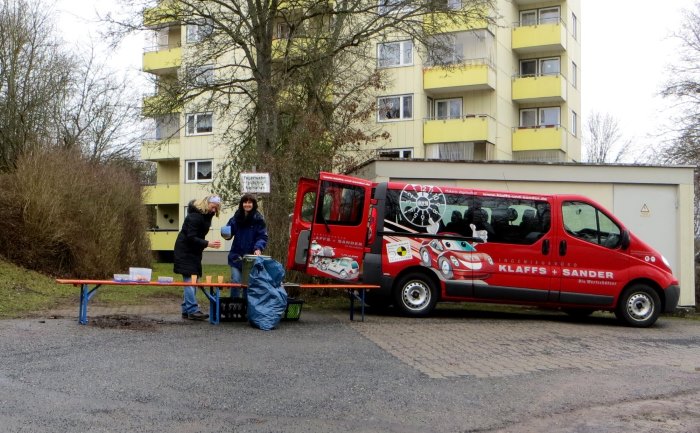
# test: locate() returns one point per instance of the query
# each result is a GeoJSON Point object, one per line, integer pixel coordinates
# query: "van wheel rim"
{"type": "Point", "coordinates": [640, 306]}
{"type": "Point", "coordinates": [415, 295]}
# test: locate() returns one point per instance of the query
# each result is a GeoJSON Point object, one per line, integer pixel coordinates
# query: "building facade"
{"type": "Point", "coordinates": [510, 93]}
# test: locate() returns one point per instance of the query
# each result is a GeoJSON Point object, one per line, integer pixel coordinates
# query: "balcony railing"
{"type": "Point", "coordinates": [539, 88]}
{"type": "Point", "coordinates": [162, 58]}
{"type": "Point", "coordinates": [162, 193]}
{"type": "Point", "coordinates": [471, 127]}
{"type": "Point", "coordinates": [548, 35]}
{"type": "Point", "coordinates": [470, 74]}
{"type": "Point", "coordinates": [162, 240]}
{"type": "Point", "coordinates": [547, 137]}
{"type": "Point", "coordinates": [160, 150]}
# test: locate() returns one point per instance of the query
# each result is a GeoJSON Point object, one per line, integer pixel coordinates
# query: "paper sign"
{"type": "Point", "coordinates": [255, 182]}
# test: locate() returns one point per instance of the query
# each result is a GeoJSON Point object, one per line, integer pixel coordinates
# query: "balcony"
{"type": "Point", "coordinates": [162, 193]}
{"type": "Point", "coordinates": [166, 13]}
{"type": "Point", "coordinates": [296, 48]}
{"type": "Point", "coordinates": [463, 129]}
{"type": "Point", "coordinates": [162, 240]}
{"type": "Point", "coordinates": [476, 75]}
{"type": "Point", "coordinates": [445, 25]}
{"type": "Point", "coordinates": [159, 105]}
{"type": "Point", "coordinates": [162, 59]}
{"type": "Point", "coordinates": [160, 150]}
{"type": "Point", "coordinates": [540, 37]}
{"type": "Point", "coordinates": [540, 88]}
{"type": "Point", "coordinates": [539, 138]}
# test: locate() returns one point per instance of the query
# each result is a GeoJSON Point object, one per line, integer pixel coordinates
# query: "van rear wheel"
{"type": "Point", "coordinates": [639, 306]}
{"type": "Point", "coordinates": [415, 295]}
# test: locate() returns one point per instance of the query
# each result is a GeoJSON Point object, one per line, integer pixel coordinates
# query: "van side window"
{"type": "Point", "coordinates": [341, 204]}
{"type": "Point", "coordinates": [307, 206]}
{"type": "Point", "coordinates": [586, 222]}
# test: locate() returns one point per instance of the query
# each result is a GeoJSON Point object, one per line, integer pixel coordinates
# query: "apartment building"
{"type": "Point", "coordinates": [511, 93]}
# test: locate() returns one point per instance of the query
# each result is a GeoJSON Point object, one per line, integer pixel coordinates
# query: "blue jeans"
{"type": "Point", "coordinates": [189, 303]}
{"type": "Point", "coordinates": [236, 276]}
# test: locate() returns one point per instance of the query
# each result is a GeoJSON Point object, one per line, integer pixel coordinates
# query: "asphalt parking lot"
{"type": "Point", "coordinates": [144, 369]}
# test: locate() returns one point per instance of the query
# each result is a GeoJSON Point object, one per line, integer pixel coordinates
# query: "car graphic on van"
{"type": "Point", "coordinates": [344, 268]}
{"type": "Point", "coordinates": [456, 259]}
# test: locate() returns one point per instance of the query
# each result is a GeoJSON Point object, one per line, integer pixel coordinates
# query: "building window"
{"type": "Point", "coordinates": [396, 153]}
{"type": "Point", "coordinates": [397, 6]}
{"type": "Point", "coordinates": [203, 75]}
{"type": "Point", "coordinates": [534, 67]}
{"type": "Point", "coordinates": [528, 118]}
{"type": "Point", "coordinates": [447, 52]}
{"type": "Point", "coordinates": [574, 122]}
{"type": "Point", "coordinates": [284, 30]}
{"type": "Point", "coordinates": [448, 108]}
{"type": "Point", "coordinates": [540, 16]}
{"type": "Point", "coordinates": [199, 123]}
{"type": "Point", "coordinates": [199, 171]}
{"type": "Point", "coordinates": [574, 75]}
{"type": "Point", "coordinates": [574, 26]}
{"type": "Point", "coordinates": [546, 116]}
{"type": "Point", "coordinates": [395, 108]}
{"type": "Point", "coordinates": [199, 31]}
{"type": "Point", "coordinates": [395, 54]}
{"type": "Point", "coordinates": [549, 15]}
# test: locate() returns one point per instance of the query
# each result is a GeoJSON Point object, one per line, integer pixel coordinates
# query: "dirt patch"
{"type": "Point", "coordinates": [123, 321]}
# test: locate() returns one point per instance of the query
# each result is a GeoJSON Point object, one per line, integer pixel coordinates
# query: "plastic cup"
{"type": "Point", "coordinates": [194, 278]}
{"type": "Point", "coordinates": [220, 279]}
{"type": "Point", "coordinates": [208, 277]}
{"type": "Point", "coordinates": [226, 232]}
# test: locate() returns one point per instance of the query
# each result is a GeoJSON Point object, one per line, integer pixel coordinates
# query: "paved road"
{"type": "Point", "coordinates": [144, 369]}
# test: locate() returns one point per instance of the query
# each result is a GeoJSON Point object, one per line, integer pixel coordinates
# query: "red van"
{"type": "Point", "coordinates": [424, 244]}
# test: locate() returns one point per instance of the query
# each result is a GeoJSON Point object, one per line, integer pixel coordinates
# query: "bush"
{"type": "Point", "coordinates": [65, 216]}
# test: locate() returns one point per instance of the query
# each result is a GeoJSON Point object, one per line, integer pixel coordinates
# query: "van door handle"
{"type": "Point", "coordinates": [545, 247]}
{"type": "Point", "coordinates": [562, 248]}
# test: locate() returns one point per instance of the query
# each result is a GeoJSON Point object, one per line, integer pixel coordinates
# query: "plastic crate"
{"type": "Point", "coordinates": [293, 310]}
{"type": "Point", "coordinates": [233, 309]}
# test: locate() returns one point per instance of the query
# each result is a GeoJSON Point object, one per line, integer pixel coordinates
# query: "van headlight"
{"type": "Point", "coordinates": [663, 259]}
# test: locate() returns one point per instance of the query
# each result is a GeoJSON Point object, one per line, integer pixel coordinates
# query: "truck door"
{"type": "Point", "coordinates": [589, 249]}
{"type": "Point", "coordinates": [339, 228]}
{"type": "Point", "coordinates": [300, 224]}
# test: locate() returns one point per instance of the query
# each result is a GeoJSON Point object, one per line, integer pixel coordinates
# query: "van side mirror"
{"type": "Point", "coordinates": [625, 239]}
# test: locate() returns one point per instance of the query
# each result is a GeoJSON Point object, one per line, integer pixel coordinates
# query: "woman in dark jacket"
{"type": "Point", "coordinates": [188, 249]}
{"type": "Point", "coordinates": [249, 236]}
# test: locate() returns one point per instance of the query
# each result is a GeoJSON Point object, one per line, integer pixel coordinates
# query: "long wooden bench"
{"type": "Point", "coordinates": [88, 288]}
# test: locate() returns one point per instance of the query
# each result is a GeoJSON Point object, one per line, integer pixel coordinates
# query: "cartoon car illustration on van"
{"type": "Point", "coordinates": [319, 252]}
{"type": "Point", "coordinates": [456, 259]}
{"type": "Point", "coordinates": [344, 268]}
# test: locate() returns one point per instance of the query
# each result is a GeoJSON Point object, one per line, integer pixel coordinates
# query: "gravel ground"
{"type": "Point", "coordinates": [153, 372]}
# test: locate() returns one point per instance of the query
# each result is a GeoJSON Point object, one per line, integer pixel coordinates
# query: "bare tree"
{"type": "Point", "coordinates": [34, 75]}
{"type": "Point", "coordinates": [684, 87]}
{"type": "Point", "coordinates": [294, 79]}
{"type": "Point", "coordinates": [602, 139]}
{"type": "Point", "coordinates": [101, 115]}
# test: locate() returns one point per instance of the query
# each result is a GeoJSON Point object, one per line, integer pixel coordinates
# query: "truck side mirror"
{"type": "Point", "coordinates": [625, 239]}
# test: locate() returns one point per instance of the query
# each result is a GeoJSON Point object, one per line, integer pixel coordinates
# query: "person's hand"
{"type": "Point", "coordinates": [214, 244]}
{"type": "Point", "coordinates": [257, 252]}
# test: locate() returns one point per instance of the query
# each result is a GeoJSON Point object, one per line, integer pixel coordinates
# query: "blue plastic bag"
{"type": "Point", "coordinates": [267, 298]}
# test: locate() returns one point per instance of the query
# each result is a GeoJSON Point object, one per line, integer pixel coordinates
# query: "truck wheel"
{"type": "Point", "coordinates": [415, 295]}
{"type": "Point", "coordinates": [639, 306]}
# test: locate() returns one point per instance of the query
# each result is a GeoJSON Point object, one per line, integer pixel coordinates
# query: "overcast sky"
{"type": "Point", "coordinates": [626, 50]}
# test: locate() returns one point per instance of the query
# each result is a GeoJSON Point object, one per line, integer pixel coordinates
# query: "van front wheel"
{"type": "Point", "coordinates": [639, 306]}
{"type": "Point", "coordinates": [415, 295]}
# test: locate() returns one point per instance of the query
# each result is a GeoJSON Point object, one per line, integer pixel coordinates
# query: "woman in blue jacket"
{"type": "Point", "coordinates": [249, 236]}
